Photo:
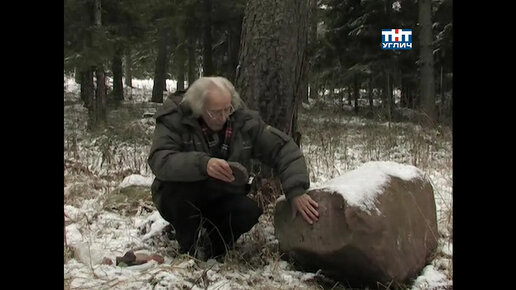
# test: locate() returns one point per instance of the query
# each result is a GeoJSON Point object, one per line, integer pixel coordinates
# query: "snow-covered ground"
{"type": "Point", "coordinates": [99, 165]}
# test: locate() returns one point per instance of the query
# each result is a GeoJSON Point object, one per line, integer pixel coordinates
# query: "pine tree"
{"type": "Point", "coordinates": [273, 58]}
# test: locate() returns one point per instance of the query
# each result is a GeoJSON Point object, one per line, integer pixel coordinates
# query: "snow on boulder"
{"type": "Point", "coordinates": [377, 223]}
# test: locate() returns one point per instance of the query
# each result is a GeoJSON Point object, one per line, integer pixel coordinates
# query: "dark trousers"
{"type": "Point", "coordinates": [188, 206]}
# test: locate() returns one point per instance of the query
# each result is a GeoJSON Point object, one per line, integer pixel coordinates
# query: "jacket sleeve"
{"type": "Point", "coordinates": [168, 163]}
{"type": "Point", "coordinates": [279, 151]}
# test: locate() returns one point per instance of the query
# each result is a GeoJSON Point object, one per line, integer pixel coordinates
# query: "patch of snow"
{"type": "Point", "coordinates": [72, 213]}
{"type": "Point", "coordinates": [431, 279]}
{"type": "Point", "coordinates": [136, 179]}
{"type": "Point", "coordinates": [447, 248]}
{"type": "Point", "coordinates": [154, 225]}
{"type": "Point", "coordinates": [73, 235]}
{"type": "Point", "coordinates": [88, 253]}
{"type": "Point", "coordinates": [307, 277]}
{"type": "Point", "coordinates": [70, 85]}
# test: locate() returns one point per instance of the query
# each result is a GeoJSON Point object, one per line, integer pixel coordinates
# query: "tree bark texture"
{"type": "Point", "coordinates": [100, 97]}
{"type": "Point", "coordinates": [116, 68]}
{"type": "Point", "coordinates": [271, 75]}
{"type": "Point", "coordinates": [128, 68]}
{"type": "Point", "coordinates": [87, 87]}
{"type": "Point", "coordinates": [191, 59]}
{"type": "Point", "coordinates": [161, 68]}
{"type": "Point", "coordinates": [427, 61]}
{"type": "Point", "coordinates": [180, 58]}
{"type": "Point", "coordinates": [311, 47]}
{"type": "Point", "coordinates": [233, 47]}
{"type": "Point", "coordinates": [356, 91]}
{"type": "Point", "coordinates": [207, 40]}
{"type": "Point", "coordinates": [370, 92]}
{"type": "Point", "coordinates": [389, 98]}
{"type": "Point", "coordinates": [97, 13]}
{"type": "Point", "coordinates": [86, 71]}
{"type": "Point", "coordinates": [99, 115]}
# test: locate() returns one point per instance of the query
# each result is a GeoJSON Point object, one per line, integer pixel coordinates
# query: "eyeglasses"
{"type": "Point", "coordinates": [226, 112]}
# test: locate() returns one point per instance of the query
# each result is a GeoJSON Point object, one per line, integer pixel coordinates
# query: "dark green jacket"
{"type": "Point", "coordinates": [179, 151]}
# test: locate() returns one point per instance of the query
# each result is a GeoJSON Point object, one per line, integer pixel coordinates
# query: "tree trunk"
{"type": "Point", "coordinates": [311, 47]}
{"type": "Point", "coordinates": [370, 93]}
{"type": "Point", "coordinates": [86, 70]}
{"type": "Point", "coordinates": [100, 98]}
{"type": "Point", "coordinates": [441, 93]}
{"type": "Point", "coordinates": [77, 75]}
{"type": "Point", "coordinates": [273, 59]}
{"type": "Point", "coordinates": [87, 87]}
{"type": "Point", "coordinates": [181, 79]}
{"type": "Point", "coordinates": [427, 61]}
{"type": "Point", "coordinates": [161, 68]}
{"type": "Point", "coordinates": [301, 90]}
{"type": "Point", "coordinates": [356, 90]}
{"type": "Point", "coordinates": [233, 46]}
{"type": "Point", "coordinates": [97, 13]}
{"type": "Point", "coordinates": [411, 96]}
{"type": "Point", "coordinates": [388, 92]}
{"type": "Point", "coordinates": [191, 59]}
{"type": "Point", "coordinates": [99, 112]}
{"type": "Point", "coordinates": [207, 40]}
{"type": "Point", "coordinates": [180, 63]}
{"type": "Point", "coordinates": [271, 74]}
{"type": "Point", "coordinates": [404, 100]}
{"type": "Point", "coordinates": [128, 68]}
{"type": "Point", "coordinates": [349, 90]}
{"type": "Point", "coordinates": [314, 89]}
{"type": "Point", "coordinates": [116, 68]}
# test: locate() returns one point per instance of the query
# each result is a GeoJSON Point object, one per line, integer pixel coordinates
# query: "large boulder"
{"type": "Point", "coordinates": [376, 224]}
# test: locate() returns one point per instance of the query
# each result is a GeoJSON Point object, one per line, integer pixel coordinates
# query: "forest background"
{"type": "Point", "coordinates": [337, 44]}
{"type": "Point", "coordinates": [314, 69]}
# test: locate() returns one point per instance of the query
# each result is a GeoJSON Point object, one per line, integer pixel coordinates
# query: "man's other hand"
{"type": "Point", "coordinates": [306, 206]}
{"type": "Point", "coordinates": [219, 169]}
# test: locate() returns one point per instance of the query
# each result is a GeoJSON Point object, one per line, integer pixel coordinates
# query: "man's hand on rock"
{"type": "Point", "coordinates": [219, 169]}
{"type": "Point", "coordinates": [306, 206]}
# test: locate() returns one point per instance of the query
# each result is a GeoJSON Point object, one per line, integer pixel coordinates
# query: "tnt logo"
{"type": "Point", "coordinates": [396, 38]}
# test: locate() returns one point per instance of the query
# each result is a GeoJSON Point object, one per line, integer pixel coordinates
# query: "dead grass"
{"type": "Point", "coordinates": [80, 190]}
{"type": "Point", "coordinates": [338, 143]}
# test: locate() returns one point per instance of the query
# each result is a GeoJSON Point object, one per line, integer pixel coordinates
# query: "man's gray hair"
{"type": "Point", "coordinates": [196, 94]}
